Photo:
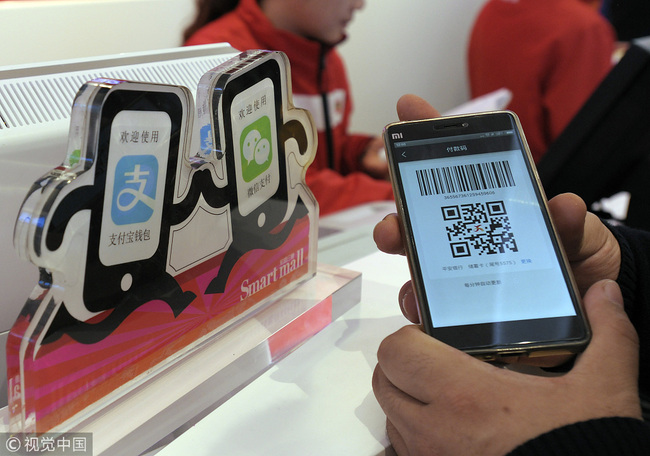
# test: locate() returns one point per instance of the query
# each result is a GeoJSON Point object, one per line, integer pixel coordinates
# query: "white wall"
{"type": "Point", "coordinates": [34, 31]}
{"type": "Point", "coordinates": [412, 46]}
{"type": "Point", "coordinates": [394, 46]}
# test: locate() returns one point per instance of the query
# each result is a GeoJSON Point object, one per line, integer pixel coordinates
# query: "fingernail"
{"type": "Point", "coordinates": [402, 301]}
{"type": "Point", "coordinates": [408, 295]}
{"type": "Point", "coordinates": [613, 292]}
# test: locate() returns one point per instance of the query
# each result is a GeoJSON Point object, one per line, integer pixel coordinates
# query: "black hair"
{"type": "Point", "coordinates": [208, 11]}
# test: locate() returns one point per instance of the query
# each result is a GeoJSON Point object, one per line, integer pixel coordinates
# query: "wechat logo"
{"type": "Point", "coordinates": [255, 146]}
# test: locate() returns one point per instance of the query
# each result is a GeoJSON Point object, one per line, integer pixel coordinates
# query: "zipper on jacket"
{"type": "Point", "coordinates": [326, 110]}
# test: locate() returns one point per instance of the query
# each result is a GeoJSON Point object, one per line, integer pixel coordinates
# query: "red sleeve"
{"type": "Point", "coordinates": [349, 146]}
{"type": "Point", "coordinates": [353, 148]}
{"type": "Point", "coordinates": [335, 192]}
{"type": "Point", "coordinates": [575, 55]}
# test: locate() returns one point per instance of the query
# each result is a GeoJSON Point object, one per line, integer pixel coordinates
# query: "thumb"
{"type": "Point", "coordinates": [412, 107]}
{"type": "Point", "coordinates": [614, 346]}
{"type": "Point", "coordinates": [569, 212]}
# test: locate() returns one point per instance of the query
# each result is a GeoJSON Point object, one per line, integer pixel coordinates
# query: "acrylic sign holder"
{"type": "Point", "coordinates": [164, 239]}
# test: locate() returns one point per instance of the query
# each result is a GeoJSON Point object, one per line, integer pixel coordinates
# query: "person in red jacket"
{"type": "Point", "coordinates": [348, 168]}
{"type": "Point", "coordinates": [551, 54]}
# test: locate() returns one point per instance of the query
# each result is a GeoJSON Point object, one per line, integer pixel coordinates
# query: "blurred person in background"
{"type": "Point", "coordinates": [349, 169]}
{"type": "Point", "coordinates": [551, 54]}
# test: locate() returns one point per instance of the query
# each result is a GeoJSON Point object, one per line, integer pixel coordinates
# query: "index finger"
{"type": "Point", "coordinates": [388, 235]}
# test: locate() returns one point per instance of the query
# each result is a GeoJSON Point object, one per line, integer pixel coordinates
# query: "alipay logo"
{"type": "Point", "coordinates": [134, 191]}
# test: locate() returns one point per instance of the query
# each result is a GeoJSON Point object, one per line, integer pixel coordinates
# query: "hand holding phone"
{"type": "Point", "coordinates": [436, 398]}
{"type": "Point", "coordinates": [488, 270]}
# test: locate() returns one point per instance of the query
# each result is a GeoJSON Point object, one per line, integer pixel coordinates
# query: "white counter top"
{"type": "Point", "coordinates": [318, 400]}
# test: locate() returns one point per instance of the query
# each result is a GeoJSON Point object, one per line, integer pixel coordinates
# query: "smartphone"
{"type": "Point", "coordinates": [489, 272]}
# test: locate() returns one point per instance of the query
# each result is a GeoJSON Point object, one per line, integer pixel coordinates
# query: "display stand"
{"type": "Point", "coordinates": [174, 397]}
{"type": "Point", "coordinates": [168, 237]}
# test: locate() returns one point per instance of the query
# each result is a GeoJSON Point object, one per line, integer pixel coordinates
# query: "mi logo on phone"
{"type": "Point", "coordinates": [396, 135]}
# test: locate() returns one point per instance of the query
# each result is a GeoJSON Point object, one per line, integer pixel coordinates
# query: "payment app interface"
{"type": "Point", "coordinates": [481, 238]}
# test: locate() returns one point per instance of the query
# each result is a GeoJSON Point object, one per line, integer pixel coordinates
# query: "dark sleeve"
{"type": "Point", "coordinates": [599, 437]}
{"type": "Point", "coordinates": [614, 435]}
{"type": "Point", "coordinates": [634, 280]}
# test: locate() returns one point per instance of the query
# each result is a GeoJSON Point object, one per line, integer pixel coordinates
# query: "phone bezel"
{"type": "Point", "coordinates": [119, 99]}
{"type": "Point", "coordinates": [518, 337]}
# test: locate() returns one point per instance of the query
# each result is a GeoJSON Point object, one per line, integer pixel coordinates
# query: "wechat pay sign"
{"type": "Point", "coordinates": [255, 140]}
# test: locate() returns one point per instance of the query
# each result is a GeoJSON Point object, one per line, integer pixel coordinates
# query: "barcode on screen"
{"type": "Point", "coordinates": [465, 178]}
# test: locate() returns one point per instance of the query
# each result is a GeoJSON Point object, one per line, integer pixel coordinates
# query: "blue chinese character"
{"type": "Point", "coordinates": [134, 192]}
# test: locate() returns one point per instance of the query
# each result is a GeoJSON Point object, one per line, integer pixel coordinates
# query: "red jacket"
{"type": "Point", "coordinates": [551, 54]}
{"type": "Point", "coordinates": [316, 69]}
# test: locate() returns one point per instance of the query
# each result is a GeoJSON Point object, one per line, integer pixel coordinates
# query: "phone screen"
{"type": "Point", "coordinates": [482, 245]}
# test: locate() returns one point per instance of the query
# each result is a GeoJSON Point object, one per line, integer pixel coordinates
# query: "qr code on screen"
{"type": "Point", "coordinates": [478, 229]}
